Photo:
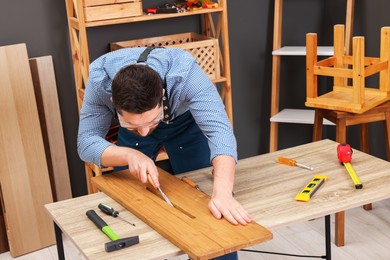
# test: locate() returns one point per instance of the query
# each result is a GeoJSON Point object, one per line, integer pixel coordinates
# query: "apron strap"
{"type": "Point", "coordinates": [165, 102]}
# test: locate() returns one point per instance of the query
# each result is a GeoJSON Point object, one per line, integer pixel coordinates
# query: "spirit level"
{"type": "Point", "coordinates": [311, 188]}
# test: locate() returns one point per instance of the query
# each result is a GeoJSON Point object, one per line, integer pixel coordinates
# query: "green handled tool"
{"type": "Point", "coordinates": [116, 243]}
{"type": "Point", "coordinates": [110, 211]}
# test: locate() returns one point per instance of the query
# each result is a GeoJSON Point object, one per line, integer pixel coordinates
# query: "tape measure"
{"type": "Point", "coordinates": [344, 154]}
{"type": "Point", "coordinates": [311, 188]}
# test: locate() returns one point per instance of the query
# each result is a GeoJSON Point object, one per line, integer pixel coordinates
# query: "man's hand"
{"type": "Point", "coordinates": [224, 205]}
{"type": "Point", "coordinates": [139, 164]}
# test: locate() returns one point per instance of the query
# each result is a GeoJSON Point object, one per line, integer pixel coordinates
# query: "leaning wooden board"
{"type": "Point", "coordinates": [189, 224]}
{"type": "Point", "coordinates": [24, 177]}
{"type": "Point", "coordinates": [42, 72]}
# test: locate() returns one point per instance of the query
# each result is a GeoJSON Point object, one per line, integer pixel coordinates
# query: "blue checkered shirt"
{"type": "Point", "coordinates": [188, 88]}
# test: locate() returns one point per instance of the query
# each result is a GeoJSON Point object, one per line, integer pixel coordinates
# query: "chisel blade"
{"type": "Point", "coordinates": [160, 190]}
{"type": "Point", "coordinates": [165, 196]}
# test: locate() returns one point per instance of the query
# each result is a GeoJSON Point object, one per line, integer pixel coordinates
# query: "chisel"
{"type": "Point", "coordinates": [160, 190]}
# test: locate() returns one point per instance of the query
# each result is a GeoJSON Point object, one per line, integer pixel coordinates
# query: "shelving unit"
{"type": "Point", "coordinates": [78, 26]}
{"type": "Point", "coordinates": [297, 116]}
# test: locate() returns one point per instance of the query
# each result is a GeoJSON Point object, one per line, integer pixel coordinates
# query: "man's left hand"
{"type": "Point", "coordinates": [225, 205]}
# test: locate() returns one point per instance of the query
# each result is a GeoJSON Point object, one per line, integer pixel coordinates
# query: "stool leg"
{"type": "Point", "coordinates": [387, 134]}
{"type": "Point", "coordinates": [339, 228]}
{"type": "Point", "coordinates": [341, 131]}
{"type": "Point", "coordinates": [317, 127]}
{"type": "Point", "coordinates": [341, 137]}
{"type": "Point", "coordinates": [364, 142]}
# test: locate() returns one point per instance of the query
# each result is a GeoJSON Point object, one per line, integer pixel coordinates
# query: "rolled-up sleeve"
{"type": "Point", "coordinates": [95, 118]}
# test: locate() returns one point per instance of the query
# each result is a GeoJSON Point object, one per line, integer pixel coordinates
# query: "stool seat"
{"type": "Point", "coordinates": [342, 120]}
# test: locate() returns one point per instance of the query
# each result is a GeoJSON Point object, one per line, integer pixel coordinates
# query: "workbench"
{"type": "Point", "coordinates": [265, 188]}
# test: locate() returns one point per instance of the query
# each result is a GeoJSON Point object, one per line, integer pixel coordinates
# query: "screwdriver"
{"type": "Point", "coordinates": [191, 183]}
{"type": "Point", "coordinates": [110, 211]}
{"type": "Point", "coordinates": [292, 162]}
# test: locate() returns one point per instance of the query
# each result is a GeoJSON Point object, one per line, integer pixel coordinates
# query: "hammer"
{"type": "Point", "coordinates": [116, 243]}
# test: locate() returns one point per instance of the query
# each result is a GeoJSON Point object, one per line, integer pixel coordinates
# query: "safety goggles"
{"type": "Point", "coordinates": [133, 127]}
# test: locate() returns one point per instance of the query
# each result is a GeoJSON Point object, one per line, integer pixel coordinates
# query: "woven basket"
{"type": "Point", "coordinates": [204, 49]}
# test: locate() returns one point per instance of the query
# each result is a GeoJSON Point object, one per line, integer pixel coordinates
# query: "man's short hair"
{"type": "Point", "coordinates": [136, 89]}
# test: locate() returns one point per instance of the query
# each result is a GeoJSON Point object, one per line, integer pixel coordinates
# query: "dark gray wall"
{"type": "Point", "coordinates": [42, 25]}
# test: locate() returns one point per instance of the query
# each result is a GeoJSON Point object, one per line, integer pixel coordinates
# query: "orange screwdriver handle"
{"type": "Point", "coordinates": [287, 161]}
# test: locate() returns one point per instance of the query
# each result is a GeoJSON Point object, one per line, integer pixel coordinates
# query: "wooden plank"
{"type": "Point", "coordinates": [3, 235]}
{"type": "Point", "coordinates": [106, 12]}
{"type": "Point", "coordinates": [189, 225]}
{"type": "Point", "coordinates": [23, 172]}
{"type": "Point", "coordinates": [45, 88]}
{"type": "Point", "coordinates": [106, 2]}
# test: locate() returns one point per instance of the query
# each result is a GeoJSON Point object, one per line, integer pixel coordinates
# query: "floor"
{"type": "Point", "coordinates": [367, 237]}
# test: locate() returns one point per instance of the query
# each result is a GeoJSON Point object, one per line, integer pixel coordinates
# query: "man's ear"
{"type": "Point", "coordinates": [163, 91]}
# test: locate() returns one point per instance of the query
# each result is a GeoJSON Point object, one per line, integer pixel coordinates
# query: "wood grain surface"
{"type": "Point", "coordinates": [264, 187]}
{"type": "Point", "coordinates": [45, 88]}
{"type": "Point", "coordinates": [189, 224]}
{"type": "Point", "coordinates": [24, 175]}
{"type": "Point", "coordinates": [267, 189]}
{"type": "Point", "coordinates": [70, 217]}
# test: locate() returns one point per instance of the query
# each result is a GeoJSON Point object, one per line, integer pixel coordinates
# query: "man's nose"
{"type": "Point", "coordinates": [143, 131]}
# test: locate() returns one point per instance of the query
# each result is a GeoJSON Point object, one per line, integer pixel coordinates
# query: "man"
{"type": "Point", "coordinates": [162, 98]}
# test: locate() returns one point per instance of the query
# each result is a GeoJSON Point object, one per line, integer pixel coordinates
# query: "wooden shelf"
{"type": "Point", "coordinates": [296, 116]}
{"type": "Point", "coordinates": [211, 26]}
{"type": "Point", "coordinates": [301, 51]}
{"type": "Point", "coordinates": [149, 17]}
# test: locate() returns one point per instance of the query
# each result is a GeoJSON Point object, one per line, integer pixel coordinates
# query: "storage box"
{"type": "Point", "coordinates": [204, 49]}
{"type": "Point", "coordinates": [97, 10]}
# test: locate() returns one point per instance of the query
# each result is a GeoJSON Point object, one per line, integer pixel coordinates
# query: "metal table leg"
{"type": "Point", "coordinates": [59, 242]}
{"type": "Point", "coordinates": [327, 238]}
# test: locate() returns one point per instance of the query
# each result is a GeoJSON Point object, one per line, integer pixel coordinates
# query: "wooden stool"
{"type": "Point", "coordinates": [342, 121]}
{"type": "Point", "coordinates": [356, 98]}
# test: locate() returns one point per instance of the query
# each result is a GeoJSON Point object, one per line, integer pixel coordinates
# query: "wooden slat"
{"type": "Point", "coordinates": [106, 12]}
{"type": "Point", "coordinates": [42, 72]}
{"type": "Point", "coordinates": [189, 225]}
{"type": "Point", "coordinates": [311, 59]}
{"type": "Point", "coordinates": [339, 52]}
{"type": "Point", "coordinates": [106, 2]}
{"type": "Point", "coordinates": [3, 235]}
{"type": "Point", "coordinates": [23, 171]}
{"type": "Point", "coordinates": [384, 78]}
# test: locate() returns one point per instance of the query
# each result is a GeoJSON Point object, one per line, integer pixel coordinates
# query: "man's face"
{"type": "Point", "coordinates": [141, 124]}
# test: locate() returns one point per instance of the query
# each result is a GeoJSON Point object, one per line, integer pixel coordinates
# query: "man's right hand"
{"type": "Point", "coordinates": [139, 164]}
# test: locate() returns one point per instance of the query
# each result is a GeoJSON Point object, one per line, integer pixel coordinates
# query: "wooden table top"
{"type": "Point", "coordinates": [266, 189]}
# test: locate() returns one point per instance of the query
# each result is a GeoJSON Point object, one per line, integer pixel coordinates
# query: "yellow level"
{"type": "Point", "coordinates": [352, 173]}
{"type": "Point", "coordinates": [311, 188]}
